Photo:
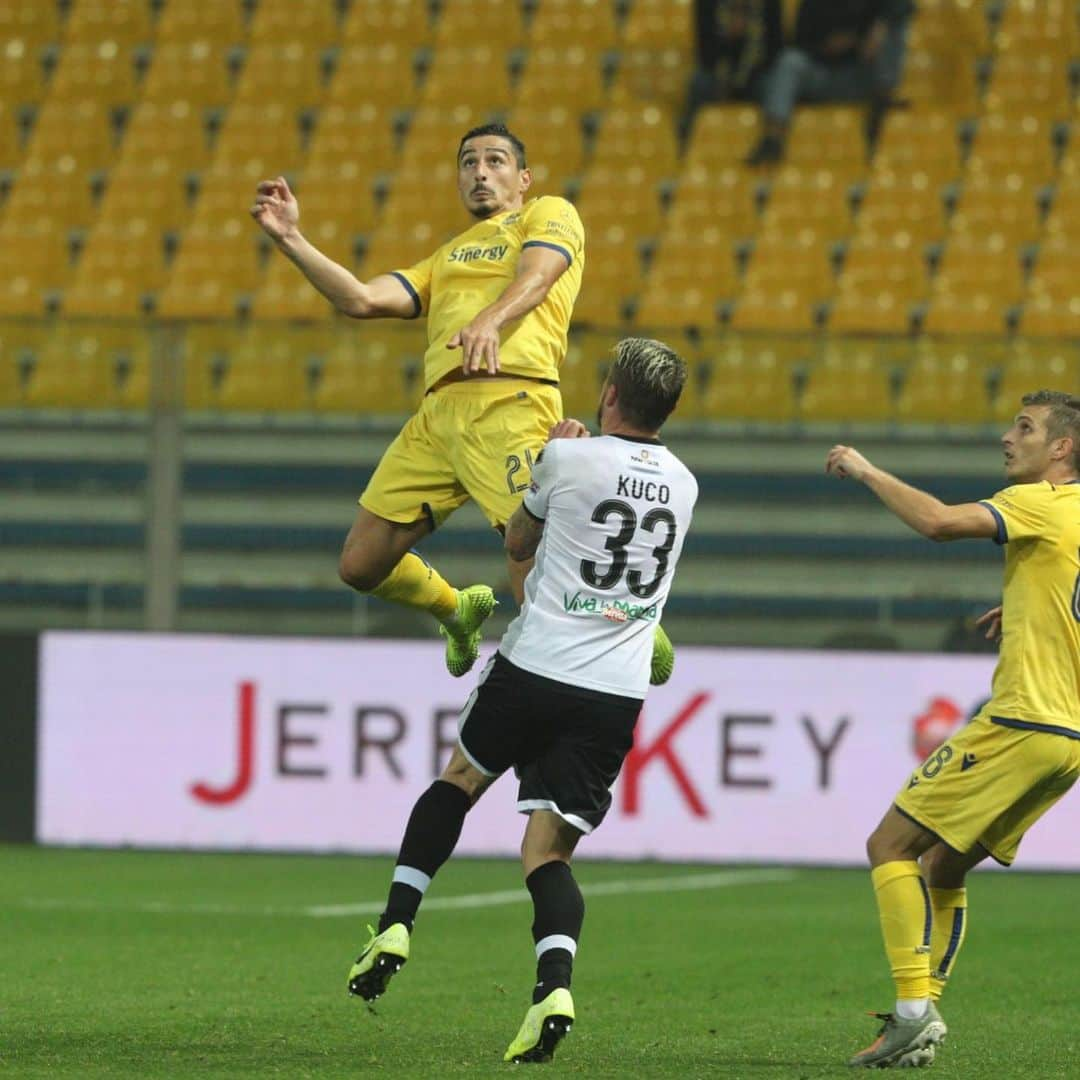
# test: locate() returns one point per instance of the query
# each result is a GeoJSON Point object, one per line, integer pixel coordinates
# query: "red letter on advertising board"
{"type": "Point", "coordinates": [245, 751]}
{"type": "Point", "coordinates": [640, 756]}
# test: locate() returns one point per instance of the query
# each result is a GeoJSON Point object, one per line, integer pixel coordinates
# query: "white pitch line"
{"type": "Point", "coordinates": [676, 883]}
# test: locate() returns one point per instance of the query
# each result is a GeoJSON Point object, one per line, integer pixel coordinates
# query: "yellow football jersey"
{"type": "Point", "coordinates": [1037, 679]}
{"type": "Point", "coordinates": [471, 271]}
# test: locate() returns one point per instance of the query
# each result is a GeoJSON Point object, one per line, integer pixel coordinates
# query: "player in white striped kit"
{"type": "Point", "coordinates": [606, 519]}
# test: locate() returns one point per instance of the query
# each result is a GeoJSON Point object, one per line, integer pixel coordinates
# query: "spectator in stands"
{"type": "Point", "coordinates": [840, 50]}
{"type": "Point", "coordinates": [736, 41]}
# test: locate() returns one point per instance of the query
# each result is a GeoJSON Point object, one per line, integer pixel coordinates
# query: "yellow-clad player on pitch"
{"type": "Point", "coordinates": [981, 790]}
{"type": "Point", "coordinates": [498, 300]}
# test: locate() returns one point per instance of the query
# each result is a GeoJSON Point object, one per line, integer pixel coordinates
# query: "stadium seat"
{"type": "Point", "coordinates": [940, 78]}
{"type": "Point", "coordinates": [33, 24]}
{"type": "Point", "coordinates": [850, 383]}
{"type": "Point", "coordinates": [626, 195]}
{"type": "Point", "coordinates": [33, 261]}
{"type": "Point", "coordinates": [373, 370]}
{"type": "Point", "coordinates": [1005, 144]}
{"type": "Point", "coordinates": [919, 142]}
{"type": "Point", "coordinates": [374, 71]}
{"type": "Point", "coordinates": [121, 262]}
{"type": "Point", "coordinates": [80, 131]}
{"type": "Point", "coordinates": [397, 244]}
{"type": "Point", "coordinates": [283, 294]}
{"type": "Point", "coordinates": [722, 135]}
{"type": "Point", "coordinates": [723, 198]}
{"type": "Point", "coordinates": [554, 145]}
{"type": "Point", "coordinates": [266, 373]}
{"type": "Point", "coordinates": [434, 134]}
{"type": "Point", "coordinates": [752, 377]}
{"type": "Point", "coordinates": [883, 275]}
{"type": "Point", "coordinates": [808, 197]}
{"type": "Point", "coordinates": [289, 72]}
{"type": "Point", "coordinates": [1052, 306]}
{"type": "Point", "coordinates": [946, 384]}
{"type": "Point", "coordinates": [403, 24]}
{"type": "Point", "coordinates": [1038, 28]}
{"type": "Point", "coordinates": [172, 130]}
{"type": "Point", "coordinates": [691, 272]}
{"type": "Point", "coordinates": [126, 22]}
{"type": "Point", "coordinates": [1035, 365]}
{"type": "Point", "coordinates": [311, 23]}
{"type": "Point", "coordinates": [788, 276]}
{"type": "Point", "coordinates": [341, 192]}
{"type": "Point", "coordinates": [22, 76]}
{"type": "Point", "coordinates": [951, 25]}
{"type": "Point", "coordinates": [898, 202]}
{"type": "Point", "coordinates": [590, 24]}
{"type": "Point", "coordinates": [221, 22]}
{"type": "Point", "coordinates": [1021, 84]}
{"type": "Point", "coordinates": [11, 150]}
{"type": "Point", "coordinates": [427, 198]}
{"type": "Point", "coordinates": [639, 135]}
{"type": "Point", "coordinates": [73, 371]}
{"type": "Point", "coordinates": [196, 72]}
{"type": "Point", "coordinates": [828, 137]}
{"type": "Point", "coordinates": [58, 190]}
{"type": "Point", "coordinates": [21, 341]}
{"type": "Point", "coordinates": [253, 133]}
{"type": "Point", "coordinates": [651, 75]}
{"type": "Point", "coordinates": [612, 276]}
{"type": "Point", "coordinates": [476, 75]}
{"type": "Point", "coordinates": [103, 72]}
{"type": "Point", "coordinates": [464, 23]}
{"type": "Point", "coordinates": [565, 75]}
{"type": "Point", "coordinates": [582, 373]}
{"type": "Point", "coordinates": [1004, 204]}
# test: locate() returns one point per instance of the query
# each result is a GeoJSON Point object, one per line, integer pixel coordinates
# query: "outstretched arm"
{"type": "Point", "coordinates": [278, 214]}
{"type": "Point", "coordinates": [918, 509]}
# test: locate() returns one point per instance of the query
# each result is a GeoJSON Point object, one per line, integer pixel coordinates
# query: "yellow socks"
{"type": "Point", "coordinates": [950, 926]}
{"type": "Point", "coordinates": [904, 908]}
{"type": "Point", "coordinates": [415, 584]}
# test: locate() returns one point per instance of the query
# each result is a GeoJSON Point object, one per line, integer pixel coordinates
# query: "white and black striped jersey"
{"type": "Point", "coordinates": [616, 511]}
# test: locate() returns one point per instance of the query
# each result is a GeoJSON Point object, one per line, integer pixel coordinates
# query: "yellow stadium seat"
{"type": "Point", "coordinates": [215, 267]}
{"type": "Point", "coordinates": [626, 196]}
{"type": "Point", "coordinates": [946, 384]}
{"type": "Point", "coordinates": [355, 143]}
{"type": "Point", "coordinates": [569, 75]}
{"type": "Point", "coordinates": [221, 22]}
{"type": "Point", "coordinates": [476, 75]}
{"type": "Point", "coordinates": [79, 131]}
{"type": "Point", "coordinates": [463, 23]}
{"type": "Point", "coordinates": [59, 191]}
{"type": "Point", "coordinates": [288, 72]}
{"type": "Point", "coordinates": [265, 373]}
{"type": "Point", "coordinates": [883, 275]}
{"type": "Point", "coordinates": [399, 245]}
{"type": "Point", "coordinates": [1022, 84]}
{"type": "Point", "coordinates": [171, 130]}
{"type": "Point", "coordinates": [103, 72]}
{"type": "Point", "coordinates": [590, 23]}
{"type": "Point", "coordinates": [951, 25]}
{"type": "Point", "coordinates": [690, 274]}
{"type": "Point", "coordinates": [434, 135]}
{"type": "Point", "coordinates": [265, 133]}
{"type": "Point", "coordinates": [401, 23]}
{"type": "Point", "coordinates": [612, 276]}
{"type": "Point", "coordinates": [657, 76]}
{"type": "Point", "coordinates": [284, 294]}
{"type": "Point", "coordinates": [923, 141]}
{"type": "Point", "coordinates": [11, 150]}
{"type": "Point", "coordinates": [342, 193]}
{"type": "Point", "coordinates": [1035, 365]}
{"type": "Point", "coordinates": [752, 377]}
{"type": "Point", "coordinates": [425, 199]}
{"type": "Point", "coordinates": [148, 188]}
{"type": "Point", "coordinates": [828, 136]}
{"type": "Point", "coordinates": [121, 262]}
{"type": "Point", "coordinates": [206, 349]}
{"type": "Point", "coordinates": [378, 72]}
{"type": "Point", "coordinates": [721, 197]}
{"type": "Point", "coordinates": [311, 22]}
{"type": "Point", "coordinates": [940, 78]}
{"type": "Point", "coordinates": [641, 135]}
{"type": "Point", "coordinates": [196, 72]}
{"type": "Point", "coordinates": [73, 371]}
{"type": "Point", "coordinates": [22, 77]}
{"type": "Point", "coordinates": [33, 261]}
{"type": "Point", "coordinates": [582, 373]}
{"type": "Point", "coordinates": [127, 22]}
{"type": "Point", "coordinates": [802, 197]}
{"type": "Point", "coordinates": [1037, 28]}
{"type": "Point", "coordinates": [723, 135]}
{"type": "Point", "coordinates": [850, 383]}
{"type": "Point", "coordinates": [372, 370]}
{"type": "Point", "coordinates": [553, 144]}
{"type": "Point", "coordinates": [35, 24]}
{"type": "Point", "coordinates": [1006, 145]}
{"type": "Point", "coordinates": [660, 24]}
{"type": "Point", "coordinates": [21, 342]}
{"type": "Point", "coordinates": [999, 204]}
{"type": "Point", "coordinates": [788, 276]}
{"type": "Point", "coordinates": [903, 203]}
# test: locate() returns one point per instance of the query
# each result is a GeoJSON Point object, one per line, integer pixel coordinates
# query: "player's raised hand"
{"type": "Point", "coordinates": [992, 621]}
{"type": "Point", "coordinates": [568, 429]}
{"type": "Point", "coordinates": [275, 208]}
{"type": "Point", "coordinates": [479, 344]}
{"type": "Point", "coordinates": [846, 461]}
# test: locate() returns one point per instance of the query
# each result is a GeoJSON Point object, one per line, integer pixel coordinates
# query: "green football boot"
{"type": "Point", "coordinates": [903, 1043]}
{"type": "Point", "coordinates": [543, 1027]}
{"type": "Point", "coordinates": [663, 658]}
{"type": "Point", "coordinates": [474, 605]}
{"type": "Point", "coordinates": [383, 957]}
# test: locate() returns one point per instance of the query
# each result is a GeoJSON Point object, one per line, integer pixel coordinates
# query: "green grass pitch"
{"type": "Point", "coordinates": [153, 965]}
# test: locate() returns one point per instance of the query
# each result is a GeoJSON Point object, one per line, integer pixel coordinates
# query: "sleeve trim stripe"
{"type": "Point", "coordinates": [1002, 531]}
{"type": "Point", "coordinates": [535, 517]}
{"type": "Point", "coordinates": [554, 247]}
{"type": "Point", "coordinates": [410, 290]}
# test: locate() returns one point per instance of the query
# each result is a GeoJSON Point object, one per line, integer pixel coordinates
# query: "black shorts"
{"type": "Point", "coordinates": [566, 743]}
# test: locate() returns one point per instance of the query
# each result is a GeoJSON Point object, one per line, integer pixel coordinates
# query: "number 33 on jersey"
{"type": "Point", "coordinates": [616, 511]}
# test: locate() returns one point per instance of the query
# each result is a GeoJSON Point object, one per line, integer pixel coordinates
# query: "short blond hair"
{"type": "Point", "coordinates": [649, 377]}
{"type": "Point", "coordinates": [1062, 418]}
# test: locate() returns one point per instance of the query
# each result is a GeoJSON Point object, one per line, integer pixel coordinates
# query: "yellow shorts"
{"type": "Point", "coordinates": [989, 784]}
{"type": "Point", "coordinates": [468, 440]}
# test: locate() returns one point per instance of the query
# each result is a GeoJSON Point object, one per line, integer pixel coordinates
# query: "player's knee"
{"type": "Point", "coordinates": [357, 572]}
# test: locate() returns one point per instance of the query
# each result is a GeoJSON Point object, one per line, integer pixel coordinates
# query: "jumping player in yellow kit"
{"type": "Point", "coordinates": [981, 790]}
{"type": "Point", "coordinates": [498, 300]}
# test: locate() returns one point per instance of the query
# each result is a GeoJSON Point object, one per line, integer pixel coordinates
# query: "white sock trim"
{"type": "Point", "coordinates": [911, 1008]}
{"type": "Point", "coordinates": [556, 941]}
{"type": "Point", "coordinates": [409, 875]}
